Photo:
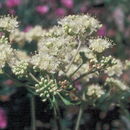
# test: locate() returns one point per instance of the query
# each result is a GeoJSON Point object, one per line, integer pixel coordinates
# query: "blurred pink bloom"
{"type": "Point", "coordinates": [13, 3]}
{"type": "Point", "coordinates": [60, 12]}
{"type": "Point", "coordinates": [68, 3]}
{"type": "Point", "coordinates": [8, 82]}
{"type": "Point", "coordinates": [3, 119]}
{"type": "Point", "coordinates": [78, 85]}
{"type": "Point", "coordinates": [83, 9]}
{"type": "Point", "coordinates": [42, 9]}
{"type": "Point", "coordinates": [28, 28]}
{"type": "Point", "coordinates": [102, 31]}
{"type": "Point", "coordinates": [12, 11]}
{"type": "Point", "coordinates": [118, 16]}
{"type": "Point", "coordinates": [111, 33]}
{"type": "Point", "coordinates": [0, 5]}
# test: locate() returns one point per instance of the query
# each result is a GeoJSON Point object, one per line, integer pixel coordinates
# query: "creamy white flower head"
{"type": "Point", "coordinates": [6, 53]}
{"type": "Point", "coordinates": [55, 31]}
{"type": "Point", "coordinates": [79, 24]}
{"type": "Point", "coordinates": [95, 90]}
{"type": "Point", "coordinates": [116, 83]}
{"type": "Point", "coordinates": [116, 69]}
{"type": "Point", "coordinates": [18, 56]}
{"type": "Point", "coordinates": [18, 36]}
{"type": "Point", "coordinates": [45, 62]}
{"type": "Point", "coordinates": [99, 45]}
{"type": "Point", "coordinates": [8, 23]}
{"type": "Point", "coordinates": [62, 49]}
{"type": "Point", "coordinates": [35, 33]}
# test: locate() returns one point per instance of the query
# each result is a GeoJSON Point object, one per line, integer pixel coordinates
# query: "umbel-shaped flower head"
{"type": "Point", "coordinates": [66, 54]}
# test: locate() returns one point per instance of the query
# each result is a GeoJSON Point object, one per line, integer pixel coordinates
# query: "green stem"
{"type": "Point", "coordinates": [79, 118]}
{"type": "Point", "coordinates": [71, 62]}
{"type": "Point", "coordinates": [57, 117]}
{"type": "Point", "coordinates": [83, 75]}
{"type": "Point", "coordinates": [33, 117]}
{"type": "Point", "coordinates": [80, 113]}
{"type": "Point", "coordinates": [76, 70]}
{"type": "Point", "coordinates": [33, 77]}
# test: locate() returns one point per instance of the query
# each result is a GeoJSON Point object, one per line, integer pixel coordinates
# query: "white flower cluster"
{"type": "Point", "coordinates": [8, 23]}
{"type": "Point", "coordinates": [64, 54]}
{"type": "Point", "coordinates": [54, 53]}
{"type": "Point", "coordinates": [45, 62]}
{"type": "Point", "coordinates": [6, 52]}
{"type": "Point", "coordinates": [95, 90]}
{"type": "Point", "coordinates": [79, 24]}
{"type": "Point", "coordinates": [115, 69]}
{"type": "Point", "coordinates": [18, 36]}
{"type": "Point", "coordinates": [99, 44]}
{"type": "Point", "coordinates": [118, 84]}
{"type": "Point", "coordinates": [34, 33]}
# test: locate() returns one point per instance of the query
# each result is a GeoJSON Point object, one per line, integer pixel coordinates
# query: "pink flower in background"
{"type": "Point", "coordinates": [0, 5]}
{"type": "Point", "coordinates": [8, 82]}
{"type": "Point", "coordinates": [68, 3]}
{"type": "Point", "coordinates": [12, 11]}
{"type": "Point", "coordinates": [28, 28]}
{"type": "Point", "coordinates": [3, 119]}
{"type": "Point", "coordinates": [102, 31]}
{"type": "Point", "coordinates": [83, 9]}
{"type": "Point", "coordinates": [78, 85]}
{"type": "Point", "coordinates": [42, 9]}
{"type": "Point", "coordinates": [13, 3]}
{"type": "Point", "coordinates": [60, 12]}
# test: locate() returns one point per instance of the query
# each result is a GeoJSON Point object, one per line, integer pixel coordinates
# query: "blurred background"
{"type": "Point", "coordinates": [15, 102]}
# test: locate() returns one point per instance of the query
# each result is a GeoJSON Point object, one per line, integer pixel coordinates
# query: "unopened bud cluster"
{"type": "Point", "coordinates": [46, 88]}
{"type": "Point", "coordinates": [20, 69]}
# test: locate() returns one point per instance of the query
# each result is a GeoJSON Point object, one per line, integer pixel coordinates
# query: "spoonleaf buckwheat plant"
{"type": "Point", "coordinates": [66, 54]}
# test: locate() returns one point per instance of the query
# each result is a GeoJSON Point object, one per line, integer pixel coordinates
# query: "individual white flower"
{"type": "Point", "coordinates": [95, 90]}
{"type": "Point", "coordinates": [8, 23]}
{"type": "Point", "coordinates": [116, 69]}
{"type": "Point", "coordinates": [116, 83]}
{"type": "Point", "coordinates": [99, 44]}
